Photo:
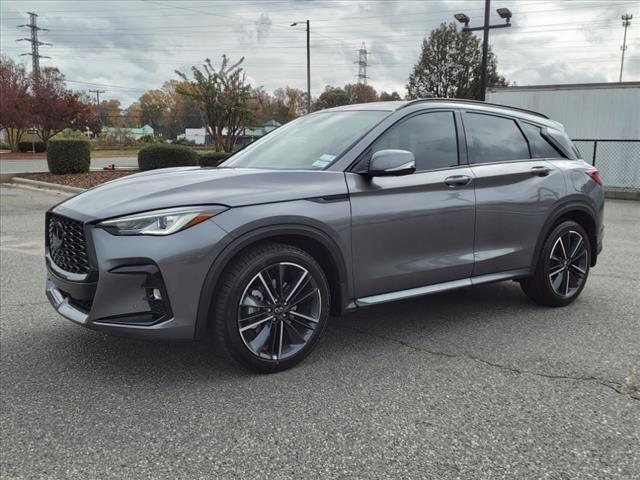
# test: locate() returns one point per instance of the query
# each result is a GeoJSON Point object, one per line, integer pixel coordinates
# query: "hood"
{"type": "Point", "coordinates": [176, 187]}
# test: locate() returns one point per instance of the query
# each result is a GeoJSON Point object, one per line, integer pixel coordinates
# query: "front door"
{"type": "Point", "coordinates": [414, 230]}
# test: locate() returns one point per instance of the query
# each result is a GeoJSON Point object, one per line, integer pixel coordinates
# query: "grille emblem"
{"type": "Point", "coordinates": [57, 235]}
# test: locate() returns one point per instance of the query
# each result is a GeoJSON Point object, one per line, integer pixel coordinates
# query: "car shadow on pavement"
{"type": "Point", "coordinates": [447, 314]}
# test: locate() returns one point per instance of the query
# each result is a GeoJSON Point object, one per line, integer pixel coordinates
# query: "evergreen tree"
{"type": "Point", "coordinates": [449, 66]}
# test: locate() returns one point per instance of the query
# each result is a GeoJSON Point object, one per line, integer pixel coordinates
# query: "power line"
{"type": "Point", "coordinates": [35, 44]}
{"type": "Point", "coordinates": [289, 10]}
{"type": "Point", "coordinates": [206, 29]}
{"type": "Point", "coordinates": [92, 84]}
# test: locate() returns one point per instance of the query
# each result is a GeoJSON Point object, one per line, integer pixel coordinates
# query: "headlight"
{"type": "Point", "coordinates": [160, 222]}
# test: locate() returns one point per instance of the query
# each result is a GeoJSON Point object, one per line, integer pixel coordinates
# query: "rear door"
{"type": "Point", "coordinates": [414, 230]}
{"type": "Point", "coordinates": [514, 189]}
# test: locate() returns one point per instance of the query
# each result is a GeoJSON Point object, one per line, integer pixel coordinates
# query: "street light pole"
{"type": "Point", "coordinates": [462, 18]}
{"type": "Point", "coordinates": [308, 24]}
{"type": "Point", "coordinates": [308, 68]}
{"type": "Point", "coordinates": [485, 49]}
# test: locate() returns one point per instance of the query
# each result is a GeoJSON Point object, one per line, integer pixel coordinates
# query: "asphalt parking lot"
{"type": "Point", "coordinates": [476, 383]}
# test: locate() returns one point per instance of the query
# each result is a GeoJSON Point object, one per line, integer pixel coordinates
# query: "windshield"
{"type": "Point", "coordinates": [311, 142]}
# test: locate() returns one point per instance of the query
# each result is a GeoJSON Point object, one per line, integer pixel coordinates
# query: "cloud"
{"type": "Point", "coordinates": [263, 26]}
{"type": "Point", "coordinates": [135, 46]}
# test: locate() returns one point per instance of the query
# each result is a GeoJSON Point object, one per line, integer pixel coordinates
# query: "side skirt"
{"type": "Point", "coordinates": [441, 287]}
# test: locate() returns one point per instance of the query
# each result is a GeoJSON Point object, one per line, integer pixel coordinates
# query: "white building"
{"type": "Point", "coordinates": [590, 112]}
{"type": "Point", "coordinates": [201, 137]}
{"type": "Point", "coordinates": [197, 135]}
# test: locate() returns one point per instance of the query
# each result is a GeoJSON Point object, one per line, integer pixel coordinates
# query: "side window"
{"type": "Point", "coordinates": [494, 139]}
{"type": "Point", "coordinates": [540, 147]}
{"type": "Point", "coordinates": [431, 137]}
{"type": "Point", "coordinates": [566, 145]}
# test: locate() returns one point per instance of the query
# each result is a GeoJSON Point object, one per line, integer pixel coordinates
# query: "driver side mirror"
{"type": "Point", "coordinates": [387, 163]}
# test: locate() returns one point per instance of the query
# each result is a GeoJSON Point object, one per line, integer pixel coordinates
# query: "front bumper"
{"type": "Point", "coordinates": [141, 286]}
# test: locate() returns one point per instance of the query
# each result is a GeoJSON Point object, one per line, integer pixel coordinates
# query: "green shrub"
{"type": "Point", "coordinates": [71, 134]}
{"type": "Point", "coordinates": [212, 159]}
{"type": "Point", "coordinates": [4, 146]}
{"type": "Point", "coordinates": [163, 155]}
{"type": "Point", "coordinates": [149, 139]}
{"type": "Point", "coordinates": [185, 142]}
{"type": "Point", "coordinates": [117, 138]}
{"type": "Point", "coordinates": [28, 147]}
{"type": "Point", "coordinates": [69, 156]}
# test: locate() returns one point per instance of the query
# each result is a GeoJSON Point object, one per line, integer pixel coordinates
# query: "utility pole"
{"type": "Point", "coordinates": [35, 44]}
{"type": "Point", "coordinates": [98, 92]}
{"type": "Point", "coordinates": [626, 22]}
{"type": "Point", "coordinates": [504, 13]}
{"type": "Point", "coordinates": [362, 65]}
{"type": "Point", "coordinates": [308, 62]}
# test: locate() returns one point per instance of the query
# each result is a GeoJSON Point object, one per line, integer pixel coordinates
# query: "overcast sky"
{"type": "Point", "coordinates": [128, 47]}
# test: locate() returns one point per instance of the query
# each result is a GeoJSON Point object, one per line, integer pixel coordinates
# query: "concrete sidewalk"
{"type": "Point", "coordinates": [40, 165]}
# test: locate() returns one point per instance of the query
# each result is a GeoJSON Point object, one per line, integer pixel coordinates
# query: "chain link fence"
{"type": "Point", "coordinates": [617, 160]}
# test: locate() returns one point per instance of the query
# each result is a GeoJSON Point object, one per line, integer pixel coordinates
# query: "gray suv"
{"type": "Point", "coordinates": [338, 210]}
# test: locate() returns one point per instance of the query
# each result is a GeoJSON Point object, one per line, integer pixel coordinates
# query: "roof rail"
{"type": "Point", "coordinates": [472, 102]}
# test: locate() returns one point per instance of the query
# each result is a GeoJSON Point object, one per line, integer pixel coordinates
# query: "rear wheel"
{"type": "Point", "coordinates": [563, 267]}
{"type": "Point", "coordinates": [271, 307]}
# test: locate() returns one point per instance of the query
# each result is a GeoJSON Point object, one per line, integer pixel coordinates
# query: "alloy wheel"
{"type": "Point", "coordinates": [568, 263]}
{"type": "Point", "coordinates": [279, 311]}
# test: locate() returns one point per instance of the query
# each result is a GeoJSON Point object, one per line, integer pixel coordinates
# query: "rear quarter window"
{"type": "Point", "coordinates": [566, 145]}
{"type": "Point", "coordinates": [540, 146]}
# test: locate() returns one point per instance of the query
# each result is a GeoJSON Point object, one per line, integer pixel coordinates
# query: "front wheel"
{"type": "Point", "coordinates": [271, 307]}
{"type": "Point", "coordinates": [563, 267]}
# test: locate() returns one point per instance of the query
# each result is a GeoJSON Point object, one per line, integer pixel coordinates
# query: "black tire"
{"type": "Point", "coordinates": [242, 282]}
{"type": "Point", "coordinates": [558, 281]}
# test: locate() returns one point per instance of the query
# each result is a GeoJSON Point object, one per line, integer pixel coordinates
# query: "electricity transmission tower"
{"type": "Point", "coordinates": [362, 65]}
{"type": "Point", "coordinates": [35, 43]}
{"type": "Point", "coordinates": [626, 22]}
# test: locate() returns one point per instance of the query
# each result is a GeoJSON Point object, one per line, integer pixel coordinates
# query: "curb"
{"type": "Point", "coordinates": [45, 185]}
{"type": "Point", "coordinates": [6, 177]}
{"type": "Point", "coordinates": [622, 194]}
{"type": "Point", "coordinates": [37, 189]}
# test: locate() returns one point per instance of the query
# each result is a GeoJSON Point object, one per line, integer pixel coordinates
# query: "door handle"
{"type": "Point", "coordinates": [457, 180]}
{"type": "Point", "coordinates": [540, 171]}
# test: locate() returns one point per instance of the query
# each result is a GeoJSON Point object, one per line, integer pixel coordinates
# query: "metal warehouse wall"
{"type": "Point", "coordinates": [604, 110]}
{"type": "Point", "coordinates": [592, 112]}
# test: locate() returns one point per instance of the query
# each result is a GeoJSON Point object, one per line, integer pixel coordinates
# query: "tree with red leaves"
{"type": "Point", "coordinates": [54, 108]}
{"type": "Point", "coordinates": [15, 101]}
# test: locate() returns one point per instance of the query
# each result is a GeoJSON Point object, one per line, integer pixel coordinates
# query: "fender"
{"type": "Point", "coordinates": [571, 203]}
{"type": "Point", "coordinates": [236, 244]}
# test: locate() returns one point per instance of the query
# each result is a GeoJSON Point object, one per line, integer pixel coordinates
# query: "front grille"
{"type": "Point", "coordinates": [67, 244]}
